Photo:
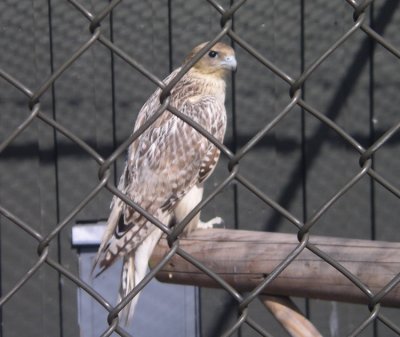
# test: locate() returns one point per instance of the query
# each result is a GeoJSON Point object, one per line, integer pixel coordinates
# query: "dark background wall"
{"type": "Point", "coordinates": [300, 164]}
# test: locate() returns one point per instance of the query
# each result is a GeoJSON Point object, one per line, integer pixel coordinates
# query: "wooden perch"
{"type": "Point", "coordinates": [244, 258]}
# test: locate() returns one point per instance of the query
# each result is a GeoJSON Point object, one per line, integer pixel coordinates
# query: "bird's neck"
{"type": "Point", "coordinates": [199, 84]}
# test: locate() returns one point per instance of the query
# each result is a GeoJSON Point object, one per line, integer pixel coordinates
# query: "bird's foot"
{"type": "Point", "coordinates": [216, 222]}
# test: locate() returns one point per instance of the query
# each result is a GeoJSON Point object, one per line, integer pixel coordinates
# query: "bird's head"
{"type": "Point", "coordinates": [219, 60]}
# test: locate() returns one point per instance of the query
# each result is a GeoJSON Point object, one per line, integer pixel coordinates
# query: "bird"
{"type": "Point", "coordinates": [166, 167]}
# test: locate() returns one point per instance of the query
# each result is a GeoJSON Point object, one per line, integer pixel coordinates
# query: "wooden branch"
{"type": "Point", "coordinates": [244, 258]}
{"type": "Point", "coordinates": [289, 316]}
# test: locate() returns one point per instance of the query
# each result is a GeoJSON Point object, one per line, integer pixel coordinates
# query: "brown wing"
{"type": "Point", "coordinates": [170, 156]}
{"type": "Point", "coordinates": [168, 159]}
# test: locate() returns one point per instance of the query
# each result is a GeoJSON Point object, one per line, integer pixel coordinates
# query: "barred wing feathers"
{"type": "Point", "coordinates": [163, 164]}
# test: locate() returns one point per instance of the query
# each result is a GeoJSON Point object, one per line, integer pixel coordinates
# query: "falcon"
{"type": "Point", "coordinates": [166, 167]}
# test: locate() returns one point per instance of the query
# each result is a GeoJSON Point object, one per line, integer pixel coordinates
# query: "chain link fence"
{"type": "Point", "coordinates": [105, 164]}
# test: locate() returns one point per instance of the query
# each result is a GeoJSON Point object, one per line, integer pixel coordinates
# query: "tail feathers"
{"type": "Point", "coordinates": [107, 259]}
{"type": "Point", "coordinates": [134, 270]}
{"type": "Point", "coordinates": [127, 285]}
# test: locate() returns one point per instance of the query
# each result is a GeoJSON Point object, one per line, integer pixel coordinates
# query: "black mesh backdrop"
{"type": "Point", "coordinates": [311, 148]}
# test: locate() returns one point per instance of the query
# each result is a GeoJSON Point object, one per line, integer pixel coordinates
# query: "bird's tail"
{"type": "Point", "coordinates": [134, 270]}
{"type": "Point", "coordinates": [104, 255]}
{"type": "Point", "coordinates": [127, 285]}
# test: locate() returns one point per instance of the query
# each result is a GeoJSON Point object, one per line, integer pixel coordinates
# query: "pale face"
{"type": "Point", "coordinates": [220, 58]}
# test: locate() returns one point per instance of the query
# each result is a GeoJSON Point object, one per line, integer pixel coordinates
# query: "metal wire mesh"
{"type": "Point", "coordinates": [294, 99]}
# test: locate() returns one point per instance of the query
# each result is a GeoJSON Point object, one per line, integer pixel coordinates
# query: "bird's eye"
{"type": "Point", "coordinates": [212, 53]}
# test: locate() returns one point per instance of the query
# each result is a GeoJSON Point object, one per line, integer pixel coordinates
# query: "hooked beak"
{"type": "Point", "coordinates": [229, 63]}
